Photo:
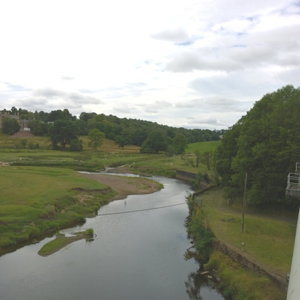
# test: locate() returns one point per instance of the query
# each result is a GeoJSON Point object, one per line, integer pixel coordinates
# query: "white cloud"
{"type": "Point", "coordinates": [178, 35]}
{"type": "Point", "coordinates": [177, 62]}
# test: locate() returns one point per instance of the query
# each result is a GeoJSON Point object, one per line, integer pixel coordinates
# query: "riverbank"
{"type": "Point", "coordinates": [125, 185]}
{"type": "Point", "coordinates": [248, 264]}
{"type": "Point", "coordinates": [39, 201]}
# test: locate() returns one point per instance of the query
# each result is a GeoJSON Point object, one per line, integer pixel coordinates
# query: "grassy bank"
{"type": "Point", "coordinates": [268, 241]}
{"type": "Point", "coordinates": [239, 283]}
{"type": "Point", "coordinates": [108, 155]}
{"type": "Point", "coordinates": [37, 200]}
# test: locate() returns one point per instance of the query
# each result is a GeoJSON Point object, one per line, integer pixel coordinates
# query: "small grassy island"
{"type": "Point", "coordinates": [62, 241]}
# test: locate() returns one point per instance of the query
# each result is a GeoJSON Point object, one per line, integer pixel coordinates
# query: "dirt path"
{"type": "Point", "coordinates": [127, 185]}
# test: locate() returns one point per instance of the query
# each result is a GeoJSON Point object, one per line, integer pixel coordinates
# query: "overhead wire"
{"type": "Point", "coordinates": [138, 210]}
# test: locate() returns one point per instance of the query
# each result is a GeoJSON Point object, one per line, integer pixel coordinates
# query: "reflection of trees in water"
{"type": "Point", "coordinates": [193, 285]}
{"type": "Point", "coordinates": [196, 282]}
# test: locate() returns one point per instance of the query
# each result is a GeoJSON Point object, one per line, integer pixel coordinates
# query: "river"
{"type": "Point", "coordinates": [137, 255]}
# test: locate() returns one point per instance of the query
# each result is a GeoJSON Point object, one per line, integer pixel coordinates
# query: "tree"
{"type": "Point", "coordinates": [96, 138]}
{"type": "Point", "coordinates": [179, 143]}
{"type": "Point", "coordinates": [76, 144]}
{"type": "Point", "coordinates": [62, 133]}
{"type": "Point", "coordinates": [10, 126]}
{"type": "Point", "coordinates": [155, 142]}
{"type": "Point", "coordinates": [265, 144]}
{"type": "Point", "coordinates": [59, 114]}
{"type": "Point", "coordinates": [38, 127]}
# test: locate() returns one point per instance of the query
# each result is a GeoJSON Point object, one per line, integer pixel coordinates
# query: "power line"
{"type": "Point", "coordinates": [138, 210]}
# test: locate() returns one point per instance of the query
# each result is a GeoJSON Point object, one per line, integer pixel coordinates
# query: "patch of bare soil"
{"type": "Point", "coordinates": [22, 134]}
{"type": "Point", "coordinates": [127, 185]}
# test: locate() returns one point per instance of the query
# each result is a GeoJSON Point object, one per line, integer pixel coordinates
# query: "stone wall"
{"type": "Point", "coordinates": [246, 262]}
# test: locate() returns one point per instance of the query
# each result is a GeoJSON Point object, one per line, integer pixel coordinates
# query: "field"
{"type": "Point", "coordinates": [37, 200]}
{"type": "Point", "coordinates": [108, 155]}
{"type": "Point", "coordinates": [267, 240]}
{"type": "Point", "coordinates": [203, 147]}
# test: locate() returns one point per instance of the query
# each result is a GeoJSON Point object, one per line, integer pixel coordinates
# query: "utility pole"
{"type": "Point", "coordinates": [244, 202]}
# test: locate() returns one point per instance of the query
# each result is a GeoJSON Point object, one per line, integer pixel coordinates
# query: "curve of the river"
{"type": "Point", "coordinates": [138, 255]}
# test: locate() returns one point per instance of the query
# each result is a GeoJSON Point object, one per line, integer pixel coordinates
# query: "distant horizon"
{"type": "Point", "coordinates": [182, 63]}
{"type": "Point", "coordinates": [131, 118]}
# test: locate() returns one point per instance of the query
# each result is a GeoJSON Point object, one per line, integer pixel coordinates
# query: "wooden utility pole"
{"type": "Point", "coordinates": [244, 202]}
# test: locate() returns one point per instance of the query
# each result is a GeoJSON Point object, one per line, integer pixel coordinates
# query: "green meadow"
{"type": "Point", "coordinates": [202, 147]}
{"type": "Point", "coordinates": [37, 200]}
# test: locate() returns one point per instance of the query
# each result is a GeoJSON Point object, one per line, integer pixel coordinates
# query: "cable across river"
{"type": "Point", "coordinates": [138, 210]}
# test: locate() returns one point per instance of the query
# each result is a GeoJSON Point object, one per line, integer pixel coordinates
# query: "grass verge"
{"type": "Point", "coordinates": [267, 241]}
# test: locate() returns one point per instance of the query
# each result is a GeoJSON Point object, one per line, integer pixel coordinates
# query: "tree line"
{"type": "Point", "coordinates": [64, 129]}
{"type": "Point", "coordinates": [265, 144]}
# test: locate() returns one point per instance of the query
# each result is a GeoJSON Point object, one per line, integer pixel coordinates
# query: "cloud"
{"type": "Point", "coordinates": [278, 46]}
{"type": "Point", "coordinates": [124, 109]}
{"type": "Point", "coordinates": [199, 60]}
{"type": "Point", "coordinates": [15, 87]}
{"type": "Point", "coordinates": [178, 35]}
{"type": "Point", "coordinates": [49, 93]}
{"type": "Point", "coordinates": [215, 104]}
{"type": "Point", "coordinates": [156, 107]}
{"type": "Point", "coordinates": [64, 97]}
{"type": "Point", "coordinates": [237, 85]}
{"type": "Point", "coordinates": [67, 78]}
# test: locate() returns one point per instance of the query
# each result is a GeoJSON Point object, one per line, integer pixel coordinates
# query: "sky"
{"type": "Point", "coordinates": [183, 63]}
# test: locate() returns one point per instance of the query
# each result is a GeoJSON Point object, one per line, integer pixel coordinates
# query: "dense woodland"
{"type": "Point", "coordinates": [265, 144]}
{"type": "Point", "coordinates": [64, 129]}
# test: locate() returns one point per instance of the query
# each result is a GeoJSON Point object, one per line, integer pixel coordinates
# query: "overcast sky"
{"type": "Point", "coordinates": [184, 63]}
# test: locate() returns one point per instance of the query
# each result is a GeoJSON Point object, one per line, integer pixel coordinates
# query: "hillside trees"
{"type": "Point", "coordinates": [266, 144]}
{"type": "Point", "coordinates": [121, 130]}
{"type": "Point", "coordinates": [38, 127]}
{"type": "Point", "coordinates": [96, 138]}
{"type": "Point", "coordinates": [10, 126]}
{"type": "Point", "coordinates": [63, 133]}
{"type": "Point", "coordinates": [155, 142]}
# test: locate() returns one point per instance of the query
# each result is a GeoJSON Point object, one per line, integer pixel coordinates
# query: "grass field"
{"type": "Point", "coordinates": [267, 239]}
{"type": "Point", "coordinates": [108, 155]}
{"type": "Point", "coordinates": [35, 200]}
{"type": "Point", "coordinates": [203, 147]}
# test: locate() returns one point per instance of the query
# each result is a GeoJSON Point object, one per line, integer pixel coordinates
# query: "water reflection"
{"type": "Point", "coordinates": [199, 287]}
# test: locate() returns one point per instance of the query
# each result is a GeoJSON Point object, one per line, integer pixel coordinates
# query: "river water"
{"type": "Point", "coordinates": [137, 255]}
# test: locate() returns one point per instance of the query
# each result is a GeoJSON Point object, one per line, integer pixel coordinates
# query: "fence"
{"type": "Point", "coordinates": [293, 183]}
